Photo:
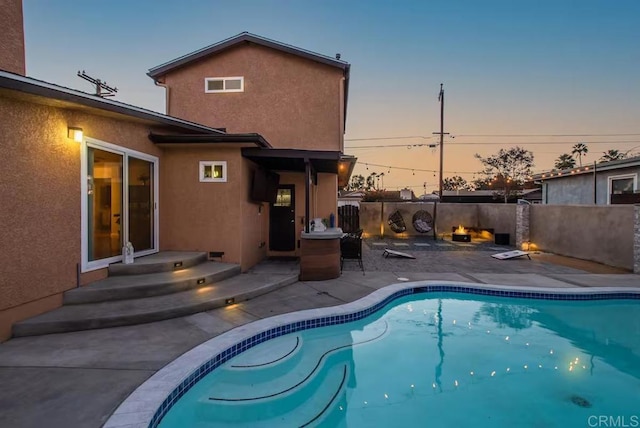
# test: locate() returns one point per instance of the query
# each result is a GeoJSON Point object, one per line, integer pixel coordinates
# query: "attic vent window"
{"type": "Point", "coordinates": [223, 84]}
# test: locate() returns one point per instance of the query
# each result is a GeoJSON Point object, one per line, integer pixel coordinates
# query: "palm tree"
{"type": "Point", "coordinates": [579, 150]}
{"type": "Point", "coordinates": [565, 161]}
{"type": "Point", "coordinates": [612, 155]}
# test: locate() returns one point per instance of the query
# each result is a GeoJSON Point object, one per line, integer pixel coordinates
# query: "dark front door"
{"type": "Point", "coordinates": [282, 223]}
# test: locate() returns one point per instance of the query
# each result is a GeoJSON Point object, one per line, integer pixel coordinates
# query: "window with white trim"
{"type": "Point", "coordinates": [621, 184]}
{"type": "Point", "coordinates": [213, 171]}
{"type": "Point", "coordinates": [223, 84]}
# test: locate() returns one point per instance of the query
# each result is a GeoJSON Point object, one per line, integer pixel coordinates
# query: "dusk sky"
{"type": "Point", "coordinates": [534, 68]}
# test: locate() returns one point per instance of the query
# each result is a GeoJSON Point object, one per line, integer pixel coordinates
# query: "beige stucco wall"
{"type": "Point", "coordinates": [199, 216]}
{"type": "Point", "coordinates": [40, 201]}
{"type": "Point", "coordinates": [293, 102]}
{"type": "Point", "coordinates": [325, 194]}
{"type": "Point", "coordinates": [255, 222]}
{"type": "Point", "coordinates": [12, 39]}
{"type": "Point", "coordinates": [600, 233]}
{"type": "Point", "coordinates": [499, 217]}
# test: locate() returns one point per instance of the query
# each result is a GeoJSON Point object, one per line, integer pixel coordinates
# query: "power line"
{"type": "Point", "coordinates": [388, 138]}
{"type": "Point", "coordinates": [496, 135]}
{"type": "Point", "coordinates": [545, 135]}
{"type": "Point", "coordinates": [490, 143]}
{"type": "Point", "coordinates": [390, 167]}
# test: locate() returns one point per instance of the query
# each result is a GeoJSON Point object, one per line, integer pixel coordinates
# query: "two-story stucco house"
{"type": "Point", "coordinates": [250, 149]}
{"type": "Point", "coordinates": [296, 100]}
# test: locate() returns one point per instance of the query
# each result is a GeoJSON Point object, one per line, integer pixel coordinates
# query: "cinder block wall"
{"type": "Point", "coordinates": [499, 217]}
{"type": "Point", "coordinates": [602, 234]}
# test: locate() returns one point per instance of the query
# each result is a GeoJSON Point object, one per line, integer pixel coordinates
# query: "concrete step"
{"type": "Point", "coordinates": [121, 287]}
{"type": "Point", "coordinates": [255, 405]}
{"type": "Point", "coordinates": [165, 261]}
{"type": "Point", "coordinates": [149, 309]}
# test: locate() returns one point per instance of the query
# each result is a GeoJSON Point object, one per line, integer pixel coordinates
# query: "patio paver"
{"type": "Point", "coordinates": [77, 379]}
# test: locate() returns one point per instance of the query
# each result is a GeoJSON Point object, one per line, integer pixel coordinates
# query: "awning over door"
{"type": "Point", "coordinates": [310, 162]}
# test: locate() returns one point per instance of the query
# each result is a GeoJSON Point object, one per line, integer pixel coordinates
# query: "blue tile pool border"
{"type": "Point", "coordinates": [329, 320]}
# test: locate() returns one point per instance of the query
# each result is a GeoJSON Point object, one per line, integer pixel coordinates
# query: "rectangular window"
{"type": "Point", "coordinates": [621, 185]}
{"type": "Point", "coordinates": [213, 171]}
{"type": "Point", "coordinates": [223, 84]}
{"type": "Point", "coordinates": [283, 198]}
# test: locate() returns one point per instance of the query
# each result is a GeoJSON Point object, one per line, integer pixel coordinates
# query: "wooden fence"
{"type": "Point", "coordinates": [349, 218]}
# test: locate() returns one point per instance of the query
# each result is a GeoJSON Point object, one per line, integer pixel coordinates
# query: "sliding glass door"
{"type": "Point", "coordinates": [141, 202]}
{"type": "Point", "coordinates": [120, 201]}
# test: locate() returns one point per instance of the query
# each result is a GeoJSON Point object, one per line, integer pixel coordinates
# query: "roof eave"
{"type": "Point", "coordinates": [162, 69]}
{"type": "Point", "coordinates": [256, 139]}
{"type": "Point", "coordinates": [39, 88]}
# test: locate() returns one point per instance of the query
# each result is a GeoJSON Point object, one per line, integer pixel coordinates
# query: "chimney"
{"type": "Point", "coordinates": [12, 40]}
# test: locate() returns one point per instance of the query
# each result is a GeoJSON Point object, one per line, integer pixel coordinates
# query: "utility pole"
{"type": "Point", "coordinates": [442, 134]}
{"type": "Point", "coordinates": [102, 89]}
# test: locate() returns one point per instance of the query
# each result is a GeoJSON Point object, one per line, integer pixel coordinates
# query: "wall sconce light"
{"type": "Point", "coordinates": [75, 134]}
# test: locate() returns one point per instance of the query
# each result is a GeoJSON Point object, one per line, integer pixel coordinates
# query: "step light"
{"type": "Point", "coordinates": [200, 281]}
{"type": "Point", "coordinates": [229, 301]}
{"type": "Point", "coordinates": [177, 264]}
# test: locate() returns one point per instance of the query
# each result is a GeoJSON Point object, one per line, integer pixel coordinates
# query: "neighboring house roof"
{"type": "Point", "coordinates": [588, 169]}
{"type": "Point", "coordinates": [59, 96]}
{"type": "Point", "coordinates": [471, 193]}
{"type": "Point", "coordinates": [244, 37]}
{"type": "Point", "coordinates": [351, 194]}
{"type": "Point", "coordinates": [428, 197]}
{"type": "Point", "coordinates": [387, 195]}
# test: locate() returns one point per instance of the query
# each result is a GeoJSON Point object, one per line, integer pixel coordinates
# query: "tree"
{"type": "Point", "coordinates": [455, 183]}
{"type": "Point", "coordinates": [482, 183]}
{"type": "Point", "coordinates": [579, 150]}
{"type": "Point", "coordinates": [612, 155]}
{"type": "Point", "coordinates": [356, 183]}
{"type": "Point", "coordinates": [372, 182]}
{"type": "Point", "coordinates": [513, 166]}
{"type": "Point", "coordinates": [565, 161]}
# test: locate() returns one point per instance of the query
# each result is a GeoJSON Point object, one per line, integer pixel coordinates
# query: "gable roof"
{"type": "Point", "coordinates": [50, 94]}
{"type": "Point", "coordinates": [245, 37]}
{"type": "Point", "coordinates": [240, 38]}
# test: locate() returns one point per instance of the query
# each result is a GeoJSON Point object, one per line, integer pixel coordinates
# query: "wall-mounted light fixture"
{"type": "Point", "coordinates": [75, 134]}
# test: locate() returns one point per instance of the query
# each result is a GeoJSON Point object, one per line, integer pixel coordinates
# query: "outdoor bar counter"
{"type": "Point", "coordinates": [320, 255]}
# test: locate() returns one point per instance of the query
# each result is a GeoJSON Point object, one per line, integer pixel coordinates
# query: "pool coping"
{"type": "Point", "coordinates": [147, 404]}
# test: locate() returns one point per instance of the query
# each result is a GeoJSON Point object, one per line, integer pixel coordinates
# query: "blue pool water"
{"type": "Point", "coordinates": [441, 360]}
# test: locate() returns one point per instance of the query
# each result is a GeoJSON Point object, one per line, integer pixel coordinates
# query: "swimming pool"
{"type": "Point", "coordinates": [421, 354]}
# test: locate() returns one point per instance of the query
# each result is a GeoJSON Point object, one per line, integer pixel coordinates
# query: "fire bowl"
{"type": "Point", "coordinates": [461, 237]}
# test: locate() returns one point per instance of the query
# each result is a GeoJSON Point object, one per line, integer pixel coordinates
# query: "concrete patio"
{"type": "Point", "coordinates": [78, 379]}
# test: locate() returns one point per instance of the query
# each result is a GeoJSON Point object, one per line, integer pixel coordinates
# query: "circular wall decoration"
{"type": "Point", "coordinates": [422, 222]}
{"type": "Point", "coordinates": [396, 222]}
